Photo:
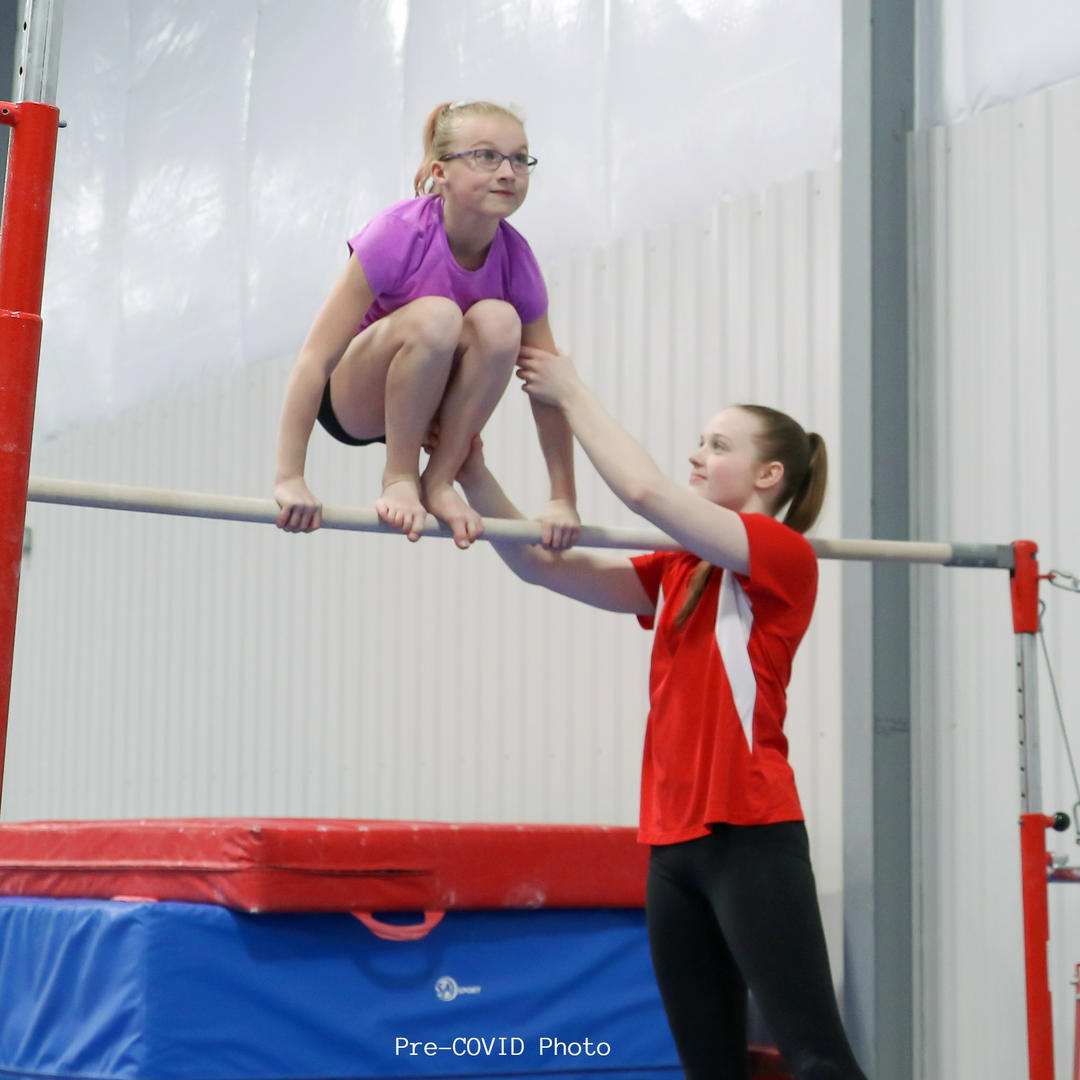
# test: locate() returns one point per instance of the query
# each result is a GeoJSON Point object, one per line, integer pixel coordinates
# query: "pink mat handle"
{"type": "Point", "coordinates": [396, 932]}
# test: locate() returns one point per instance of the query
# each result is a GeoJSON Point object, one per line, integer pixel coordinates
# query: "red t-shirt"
{"type": "Point", "coordinates": [715, 749]}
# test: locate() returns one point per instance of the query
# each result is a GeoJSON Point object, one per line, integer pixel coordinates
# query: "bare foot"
{"type": "Point", "coordinates": [445, 503]}
{"type": "Point", "coordinates": [400, 506]}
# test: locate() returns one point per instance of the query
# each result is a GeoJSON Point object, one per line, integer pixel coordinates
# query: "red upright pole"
{"type": "Point", "coordinates": [1033, 823]}
{"type": "Point", "coordinates": [1034, 861]}
{"type": "Point", "coordinates": [23, 237]}
{"type": "Point", "coordinates": [1076, 1035]}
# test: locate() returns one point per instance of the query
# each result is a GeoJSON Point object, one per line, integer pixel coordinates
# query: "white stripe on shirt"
{"type": "Point", "coordinates": [734, 619]}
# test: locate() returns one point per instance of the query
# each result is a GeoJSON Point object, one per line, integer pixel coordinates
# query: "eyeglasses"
{"type": "Point", "coordinates": [490, 160]}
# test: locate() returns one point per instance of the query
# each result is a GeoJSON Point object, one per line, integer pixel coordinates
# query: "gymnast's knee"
{"type": "Point", "coordinates": [431, 322]}
{"type": "Point", "coordinates": [494, 325]}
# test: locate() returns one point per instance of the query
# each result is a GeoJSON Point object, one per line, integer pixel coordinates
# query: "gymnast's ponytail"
{"type": "Point", "coordinates": [429, 135]}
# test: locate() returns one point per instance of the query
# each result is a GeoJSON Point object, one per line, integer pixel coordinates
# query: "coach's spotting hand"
{"type": "Point", "coordinates": [549, 378]}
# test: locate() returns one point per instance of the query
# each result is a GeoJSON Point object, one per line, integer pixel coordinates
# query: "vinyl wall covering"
{"type": "Point", "coordinates": [997, 335]}
{"type": "Point", "coordinates": [217, 155]}
{"type": "Point", "coordinates": [975, 54]}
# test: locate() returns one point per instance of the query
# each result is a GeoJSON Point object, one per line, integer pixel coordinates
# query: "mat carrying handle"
{"type": "Point", "coordinates": [398, 932]}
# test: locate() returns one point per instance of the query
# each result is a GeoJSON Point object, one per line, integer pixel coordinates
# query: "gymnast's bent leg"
{"type": "Point", "coordinates": [390, 381]}
{"type": "Point", "coordinates": [490, 342]}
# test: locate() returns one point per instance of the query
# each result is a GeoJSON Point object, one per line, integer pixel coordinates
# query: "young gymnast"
{"type": "Point", "coordinates": [417, 340]}
{"type": "Point", "coordinates": [731, 902]}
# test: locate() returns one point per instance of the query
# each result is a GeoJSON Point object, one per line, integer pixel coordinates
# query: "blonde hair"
{"type": "Point", "coordinates": [806, 472]}
{"type": "Point", "coordinates": [439, 129]}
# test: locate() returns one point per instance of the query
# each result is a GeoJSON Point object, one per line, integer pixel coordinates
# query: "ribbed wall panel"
{"type": "Point", "coordinates": [997, 237]}
{"type": "Point", "coordinates": [174, 667]}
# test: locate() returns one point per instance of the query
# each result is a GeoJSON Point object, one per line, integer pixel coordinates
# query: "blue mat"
{"type": "Point", "coordinates": [103, 990]}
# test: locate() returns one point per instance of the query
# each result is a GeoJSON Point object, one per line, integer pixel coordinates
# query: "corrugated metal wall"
{"type": "Point", "coordinates": [997, 276]}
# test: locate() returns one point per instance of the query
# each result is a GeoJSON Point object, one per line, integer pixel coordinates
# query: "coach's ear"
{"type": "Point", "coordinates": [770, 476]}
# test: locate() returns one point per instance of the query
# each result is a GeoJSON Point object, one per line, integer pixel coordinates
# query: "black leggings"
{"type": "Point", "coordinates": [737, 910]}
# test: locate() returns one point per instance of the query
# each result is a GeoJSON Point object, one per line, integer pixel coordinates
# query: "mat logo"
{"type": "Point", "coordinates": [447, 989]}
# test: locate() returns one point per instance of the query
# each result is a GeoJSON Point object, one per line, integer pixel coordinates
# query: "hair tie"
{"type": "Point", "coordinates": [457, 105]}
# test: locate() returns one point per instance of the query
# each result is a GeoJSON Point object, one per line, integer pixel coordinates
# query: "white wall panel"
{"type": "Point", "coordinates": [997, 236]}
{"type": "Point", "coordinates": [176, 667]}
{"type": "Point", "coordinates": [975, 54]}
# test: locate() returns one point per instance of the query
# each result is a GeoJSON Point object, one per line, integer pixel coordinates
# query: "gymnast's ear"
{"type": "Point", "coordinates": [437, 174]}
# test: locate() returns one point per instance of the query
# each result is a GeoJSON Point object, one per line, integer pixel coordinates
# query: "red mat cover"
{"type": "Point", "coordinates": [289, 864]}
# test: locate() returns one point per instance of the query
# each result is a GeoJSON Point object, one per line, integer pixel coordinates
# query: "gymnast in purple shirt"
{"type": "Point", "coordinates": [417, 340]}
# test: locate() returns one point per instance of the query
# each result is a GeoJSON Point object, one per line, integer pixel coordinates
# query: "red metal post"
{"type": "Point", "coordinates": [1034, 858]}
{"type": "Point", "coordinates": [1024, 583]}
{"type": "Point", "coordinates": [23, 238]}
{"type": "Point", "coordinates": [1076, 1033]}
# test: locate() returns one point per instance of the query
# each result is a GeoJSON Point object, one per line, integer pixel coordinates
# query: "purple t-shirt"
{"type": "Point", "coordinates": [405, 255]}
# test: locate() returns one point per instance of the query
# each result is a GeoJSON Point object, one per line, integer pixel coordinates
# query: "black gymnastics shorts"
{"type": "Point", "coordinates": [328, 419]}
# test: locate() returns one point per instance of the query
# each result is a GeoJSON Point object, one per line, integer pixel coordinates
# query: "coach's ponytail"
{"type": "Point", "coordinates": [694, 588]}
{"type": "Point", "coordinates": [807, 501]}
{"type": "Point", "coordinates": [806, 464]}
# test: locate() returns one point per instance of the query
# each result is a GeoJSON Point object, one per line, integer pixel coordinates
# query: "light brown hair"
{"type": "Point", "coordinates": [439, 129]}
{"type": "Point", "coordinates": [806, 469]}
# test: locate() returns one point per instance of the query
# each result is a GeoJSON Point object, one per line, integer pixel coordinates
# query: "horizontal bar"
{"type": "Point", "coordinates": [355, 519]}
{"type": "Point", "coordinates": [352, 519]}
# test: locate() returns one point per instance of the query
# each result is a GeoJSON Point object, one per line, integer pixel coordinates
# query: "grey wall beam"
{"type": "Point", "coordinates": [878, 110]}
{"type": "Point", "coordinates": [9, 20]}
